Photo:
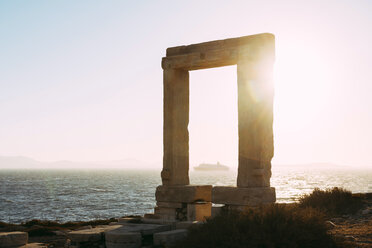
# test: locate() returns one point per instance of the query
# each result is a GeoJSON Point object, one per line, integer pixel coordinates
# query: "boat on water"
{"type": "Point", "coordinates": [211, 167]}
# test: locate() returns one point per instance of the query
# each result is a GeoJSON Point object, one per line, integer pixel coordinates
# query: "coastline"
{"type": "Point", "coordinates": [354, 230]}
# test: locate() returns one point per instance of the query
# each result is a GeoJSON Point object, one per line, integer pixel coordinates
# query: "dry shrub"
{"type": "Point", "coordinates": [278, 226]}
{"type": "Point", "coordinates": [336, 201]}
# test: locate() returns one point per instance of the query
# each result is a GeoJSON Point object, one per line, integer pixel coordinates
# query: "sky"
{"type": "Point", "coordinates": [82, 80]}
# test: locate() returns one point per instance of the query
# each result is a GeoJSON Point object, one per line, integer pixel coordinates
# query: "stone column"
{"type": "Point", "coordinates": [255, 117]}
{"type": "Point", "coordinates": [175, 130]}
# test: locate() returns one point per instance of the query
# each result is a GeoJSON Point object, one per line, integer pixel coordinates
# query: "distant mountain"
{"type": "Point", "coordinates": [317, 166]}
{"type": "Point", "coordinates": [20, 162]}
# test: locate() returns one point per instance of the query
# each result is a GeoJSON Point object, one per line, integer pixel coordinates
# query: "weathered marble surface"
{"type": "Point", "coordinates": [175, 133]}
{"type": "Point", "coordinates": [243, 196]}
{"type": "Point", "coordinates": [183, 194]}
{"type": "Point", "coordinates": [13, 239]}
{"type": "Point", "coordinates": [254, 56]}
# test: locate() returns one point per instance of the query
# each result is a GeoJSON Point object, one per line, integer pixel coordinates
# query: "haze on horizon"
{"type": "Point", "coordinates": [81, 80]}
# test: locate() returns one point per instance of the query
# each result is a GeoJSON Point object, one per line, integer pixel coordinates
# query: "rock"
{"type": "Point", "coordinates": [350, 238]}
{"type": "Point", "coordinates": [186, 224]}
{"type": "Point", "coordinates": [68, 243]}
{"type": "Point", "coordinates": [185, 194]}
{"type": "Point", "coordinates": [330, 224]}
{"type": "Point", "coordinates": [168, 238]}
{"type": "Point", "coordinates": [89, 235]}
{"type": "Point", "coordinates": [199, 211]}
{"type": "Point", "coordinates": [366, 211]}
{"type": "Point", "coordinates": [59, 233]}
{"type": "Point", "coordinates": [123, 239]}
{"type": "Point", "coordinates": [126, 220]}
{"type": "Point", "coordinates": [337, 220]}
{"type": "Point", "coordinates": [144, 229]}
{"type": "Point", "coordinates": [13, 239]}
{"type": "Point", "coordinates": [84, 228]}
{"type": "Point", "coordinates": [158, 221]}
{"type": "Point", "coordinates": [243, 196]}
{"type": "Point", "coordinates": [35, 245]}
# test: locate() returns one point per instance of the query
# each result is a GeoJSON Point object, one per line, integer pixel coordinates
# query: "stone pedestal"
{"type": "Point", "coordinates": [236, 196]}
{"type": "Point", "coordinates": [254, 56]}
{"type": "Point", "coordinates": [13, 239]}
{"type": "Point", "coordinates": [181, 203]}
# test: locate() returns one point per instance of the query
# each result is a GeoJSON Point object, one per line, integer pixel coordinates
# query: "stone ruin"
{"type": "Point", "coordinates": [254, 56]}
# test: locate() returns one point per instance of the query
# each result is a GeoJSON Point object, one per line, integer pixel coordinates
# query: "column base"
{"type": "Point", "coordinates": [183, 202]}
{"type": "Point", "coordinates": [236, 196]}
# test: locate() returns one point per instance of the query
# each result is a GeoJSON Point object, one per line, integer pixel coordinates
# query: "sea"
{"type": "Point", "coordinates": [82, 195]}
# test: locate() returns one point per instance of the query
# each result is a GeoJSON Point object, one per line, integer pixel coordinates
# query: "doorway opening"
{"type": "Point", "coordinates": [213, 125]}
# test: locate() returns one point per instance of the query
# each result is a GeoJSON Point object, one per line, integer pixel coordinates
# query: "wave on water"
{"type": "Point", "coordinates": [86, 195]}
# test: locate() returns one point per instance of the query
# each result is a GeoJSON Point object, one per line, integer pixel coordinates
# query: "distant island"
{"type": "Point", "coordinates": [211, 167]}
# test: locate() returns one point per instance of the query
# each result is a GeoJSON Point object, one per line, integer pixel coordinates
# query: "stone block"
{"type": "Point", "coordinates": [165, 217]}
{"type": "Point", "coordinates": [199, 211]}
{"type": "Point", "coordinates": [34, 245]}
{"type": "Point", "coordinates": [149, 216]}
{"type": "Point", "coordinates": [226, 44]}
{"type": "Point", "coordinates": [167, 239]}
{"type": "Point", "coordinates": [243, 196]}
{"type": "Point", "coordinates": [167, 211]}
{"type": "Point", "coordinates": [169, 204]}
{"type": "Point", "coordinates": [122, 238]}
{"type": "Point", "coordinates": [219, 53]}
{"type": "Point", "coordinates": [159, 221]}
{"type": "Point", "coordinates": [90, 235]}
{"type": "Point", "coordinates": [143, 229]}
{"type": "Point", "coordinates": [84, 228]}
{"type": "Point", "coordinates": [184, 194]}
{"type": "Point", "coordinates": [13, 239]}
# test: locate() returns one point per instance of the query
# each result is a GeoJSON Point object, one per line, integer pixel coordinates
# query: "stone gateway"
{"type": "Point", "coordinates": [254, 56]}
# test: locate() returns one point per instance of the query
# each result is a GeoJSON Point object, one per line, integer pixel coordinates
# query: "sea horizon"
{"type": "Point", "coordinates": [82, 194]}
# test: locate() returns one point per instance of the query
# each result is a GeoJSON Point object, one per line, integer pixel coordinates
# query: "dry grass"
{"type": "Point", "coordinates": [279, 226]}
{"type": "Point", "coordinates": [333, 202]}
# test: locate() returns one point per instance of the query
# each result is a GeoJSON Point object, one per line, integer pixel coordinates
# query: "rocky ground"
{"type": "Point", "coordinates": [354, 230]}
